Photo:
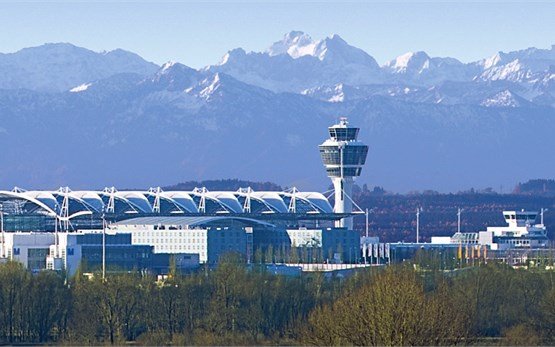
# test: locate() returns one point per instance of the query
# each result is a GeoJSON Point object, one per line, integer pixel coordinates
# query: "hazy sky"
{"type": "Point", "coordinates": [199, 33]}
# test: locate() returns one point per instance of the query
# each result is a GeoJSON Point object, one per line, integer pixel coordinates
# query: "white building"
{"type": "Point", "coordinates": [521, 231]}
{"type": "Point", "coordinates": [31, 249]}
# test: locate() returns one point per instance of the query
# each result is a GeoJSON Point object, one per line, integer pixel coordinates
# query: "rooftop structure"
{"type": "Point", "coordinates": [64, 209]}
{"type": "Point", "coordinates": [343, 156]}
{"type": "Point", "coordinates": [521, 231]}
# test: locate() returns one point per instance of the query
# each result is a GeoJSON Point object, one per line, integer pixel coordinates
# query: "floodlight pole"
{"type": "Point", "coordinates": [459, 211]}
{"type": "Point", "coordinates": [418, 224]}
{"type": "Point", "coordinates": [103, 247]}
{"type": "Point", "coordinates": [367, 223]}
{"type": "Point", "coordinates": [3, 234]}
{"type": "Point", "coordinates": [56, 238]}
{"type": "Point", "coordinates": [541, 214]}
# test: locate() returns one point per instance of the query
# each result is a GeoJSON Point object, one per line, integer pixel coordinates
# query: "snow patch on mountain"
{"type": "Point", "coordinates": [167, 66]}
{"type": "Point", "coordinates": [409, 62]}
{"type": "Point", "coordinates": [327, 93]}
{"type": "Point", "coordinates": [513, 71]}
{"type": "Point", "coordinates": [296, 44]}
{"type": "Point", "coordinates": [174, 76]}
{"type": "Point", "coordinates": [491, 61]}
{"type": "Point", "coordinates": [505, 98]}
{"type": "Point", "coordinates": [214, 84]}
{"type": "Point", "coordinates": [80, 88]}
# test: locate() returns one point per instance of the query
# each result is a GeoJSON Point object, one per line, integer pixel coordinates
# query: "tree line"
{"type": "Point", "coordinates": [236, 304]}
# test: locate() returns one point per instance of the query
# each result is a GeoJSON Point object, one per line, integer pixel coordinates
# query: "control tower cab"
{"type": "Point", "coordinates": [343, 156]}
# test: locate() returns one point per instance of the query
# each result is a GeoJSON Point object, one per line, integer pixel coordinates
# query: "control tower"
{"type": "Point", "coordinates": [343, 156]}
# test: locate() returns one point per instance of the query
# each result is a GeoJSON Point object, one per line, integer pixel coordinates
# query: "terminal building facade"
{"type": "Point", "coordinates": [41, 224]}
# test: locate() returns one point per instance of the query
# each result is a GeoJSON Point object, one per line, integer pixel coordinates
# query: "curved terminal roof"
{"type": "Point", "coordinates": [67, 204]}
{"type": "Point", "coordinates": [197, 221]}
{"type": "Point", "coordinates": [182, 200]}
{"type": "Point", "coordinates": [272, 200]}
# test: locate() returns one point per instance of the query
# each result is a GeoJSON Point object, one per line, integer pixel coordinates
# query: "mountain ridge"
{"type": "Point", "coordinates": [260, 116]}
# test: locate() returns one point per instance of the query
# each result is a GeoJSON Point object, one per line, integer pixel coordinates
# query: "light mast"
{"type": "Point", "coordinates": [343, 156]}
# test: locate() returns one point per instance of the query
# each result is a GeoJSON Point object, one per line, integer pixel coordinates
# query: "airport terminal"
{"type": "Point", "coordinates": [63, 228]}
{"type": "Point", "coordinates": [146, 230]}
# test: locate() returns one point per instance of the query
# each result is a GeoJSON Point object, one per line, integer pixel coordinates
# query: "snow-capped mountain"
{"type": "Point", "coordinates": [524, 66]}
{"type": "Point", "coordinates": [419, 68]}
{"type": "Point", "coordinates": [175, 76]}
{"type": "Point", "coordinates": [63, 66]}
{"type": "Point", "coordinates": [297, 63]}
{"type": "Point", "coordinates": [261, 115]}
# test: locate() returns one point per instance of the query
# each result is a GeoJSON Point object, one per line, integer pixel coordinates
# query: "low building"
{"type": "Point", "coordinates": [334, 244]}
{"type": "Point", "coordinates": [209, 237]}
{"type": "Point", "coordinates": [212, 237]}
{"type": "Point", "coordinates": [85, 250]}
{"type": "Point", "coordinates": [401, 251]}
{"type": "Point", "coordinates": [31, 249]}
{"type": "Point", "coordinates": [71, 251]}
{"type": "Point", "coordinates": [521, 232]}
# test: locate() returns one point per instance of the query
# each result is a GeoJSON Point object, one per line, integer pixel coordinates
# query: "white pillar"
{"type": "Point", "coordinates": [343, 204]}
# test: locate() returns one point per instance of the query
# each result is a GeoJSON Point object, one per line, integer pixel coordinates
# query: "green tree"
{"type": "Point", "coordinates": [270, 256]}
{"type": "Point", "coordinates": [50, 304]}
{"type": "Point", "coordinates": [393, 309]}
{"type": "Point", "coordinates": [14, 286]}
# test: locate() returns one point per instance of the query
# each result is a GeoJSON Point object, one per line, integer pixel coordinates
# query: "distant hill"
{"type": "Point", "coordinates": [225, 184]}
{"type": "Point", "coordinates": [542, 187]}
{"type": "Point", "coordinates": [59, 67]}
{"type": "Point", "coordinates": [393, 216]}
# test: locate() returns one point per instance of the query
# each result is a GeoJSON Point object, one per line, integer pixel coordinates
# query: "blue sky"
{"type": "Point", "coordinates": [199, 33]}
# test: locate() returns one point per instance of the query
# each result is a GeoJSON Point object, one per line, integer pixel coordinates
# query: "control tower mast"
{"type": "Point", "coordinates": [343, 156]}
